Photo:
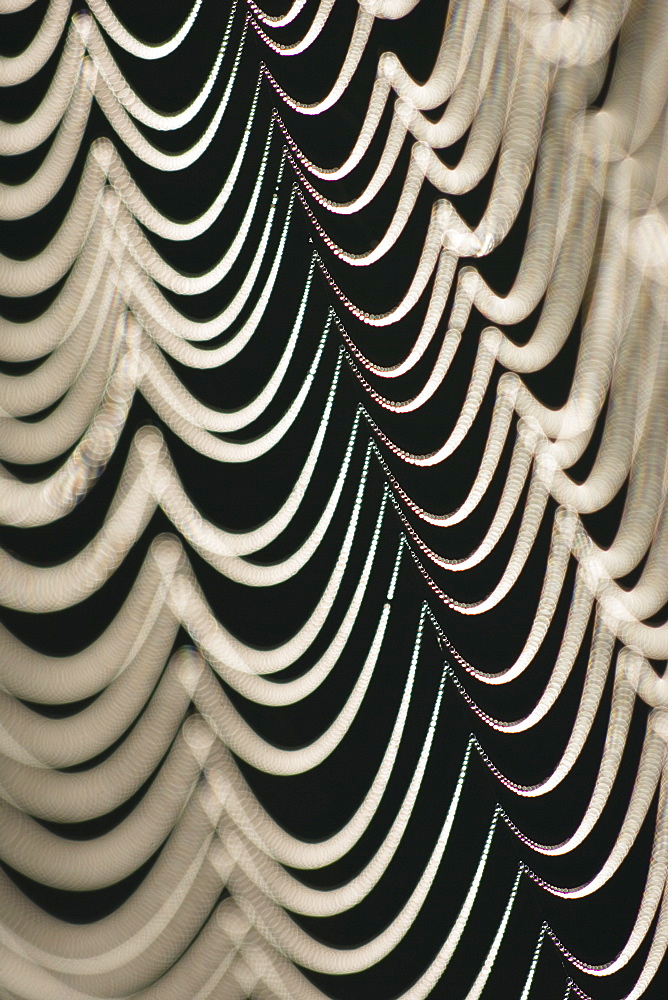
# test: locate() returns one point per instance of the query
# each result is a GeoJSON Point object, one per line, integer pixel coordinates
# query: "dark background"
{"type": "Point", "coordinates": [240, 496]}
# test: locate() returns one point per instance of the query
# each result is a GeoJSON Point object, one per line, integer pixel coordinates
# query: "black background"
{"type": "Point", "coordinates": [239, 496]}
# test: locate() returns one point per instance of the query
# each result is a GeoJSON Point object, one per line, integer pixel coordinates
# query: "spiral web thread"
{"type": "Point", "coordinates": [515, 83]}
